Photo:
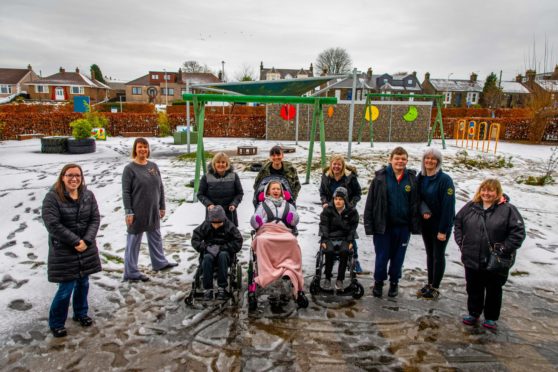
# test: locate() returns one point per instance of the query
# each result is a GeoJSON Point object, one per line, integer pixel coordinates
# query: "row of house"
{"type": "Point", "coordinates": [163, 87]}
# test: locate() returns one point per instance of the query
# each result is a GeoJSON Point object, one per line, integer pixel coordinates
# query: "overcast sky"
{"type": "Point", "coordinates": [128, 38]}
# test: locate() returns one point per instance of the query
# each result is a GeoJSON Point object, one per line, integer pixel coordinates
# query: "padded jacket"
{"type": "Point", "coordinates": [503, 223]}
{"type": "Point", "coordinates": [338, 226]}
{"type": "Point", "coordinates": [350, 183]}
{"type": "Point", "coordinates": [227, 237]}
{"type": "Point", "coordinates": [67, 222]}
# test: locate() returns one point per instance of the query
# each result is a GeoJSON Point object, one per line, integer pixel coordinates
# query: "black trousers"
{"type": "Point", "coordinates": [343, 251]}
{"type": "Point", "coordinates": [435, 253]}
{"type": "Point", "coordinates": [222, 261]}
{"type": "Point", "coordinates": [484, 290]}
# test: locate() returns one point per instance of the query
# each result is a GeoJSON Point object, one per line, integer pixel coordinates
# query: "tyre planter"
{"type": "Point", "coordinates": [81, 146]}
{"type": "Point", "coordinates": [54, 145]}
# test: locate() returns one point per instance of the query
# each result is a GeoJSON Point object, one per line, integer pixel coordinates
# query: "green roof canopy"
{"type": "Point", "coordinates": [291, 87]}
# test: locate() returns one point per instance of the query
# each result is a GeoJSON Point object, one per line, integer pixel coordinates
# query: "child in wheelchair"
{"type": "Point", "coordinates": [338, 224]}
{"type": "Point", "coordinates": [275, 246]}
{"type": "Point", "coordinates": [217, 240]}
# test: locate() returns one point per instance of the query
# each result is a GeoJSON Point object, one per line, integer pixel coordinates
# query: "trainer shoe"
{"type": "Point", "coordinates": [393, 289]}
{"type": "Point", "coordinates": [431, 294]}
{"type": "Point", "coordinates": [470, 320]}
{"type": "Point", "coordinates": [208, 295]}
{"type": "Point", "coordinates": [222, 294]}
{"type": "Point", "coordinates": [85, 321]}
{"type": "Point", "coordinates": [339, 285]}
{"type": "Point", "coordinates": [490, 324]}
{"type": "Point", "coordinates": [358, 269]}
{"type": "Point", "coordinates": [326, 284]}
{"type": "Point", "coordinates": [378, 289]}
{"type": "Point", "coordinates": [423, 290]}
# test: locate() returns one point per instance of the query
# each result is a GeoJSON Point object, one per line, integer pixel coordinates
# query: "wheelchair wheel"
{"type": "Point", "coordinates": [315, 286]}
{"type": "Point", "coordinates": [238, 277]}
{"type": "Point", "coordinates": [358, 290]}
{"type": "Point", "coordinates": [189, 300]}
{"type": "Point", "coordinates": [252, 302]}
{"type": "Point", "coordinates": [302, 300]}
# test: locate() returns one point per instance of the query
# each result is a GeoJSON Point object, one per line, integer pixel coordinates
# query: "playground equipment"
{"type": "Point", "coordinates": [371, 113]}
{"type": "Point", "coordinates": [471, 131]}
{"type": "Point", "coordinates": [199, 101]}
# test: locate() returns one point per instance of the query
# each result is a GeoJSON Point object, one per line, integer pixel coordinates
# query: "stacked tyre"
{"type": "Point", "coordinates": [54, 145]}
{"type": "Point", "coordinates": [81, 146]}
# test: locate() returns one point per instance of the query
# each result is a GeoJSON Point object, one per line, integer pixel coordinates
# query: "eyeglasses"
{"type": "Point", "coordinates": [77, 176]}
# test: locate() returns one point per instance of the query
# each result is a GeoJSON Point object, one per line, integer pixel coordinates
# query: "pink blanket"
{"type": "Point", "coordinates": [278, 254]}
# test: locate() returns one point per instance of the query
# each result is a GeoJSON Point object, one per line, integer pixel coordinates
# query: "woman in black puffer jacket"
{"type": "Point", "coordinates": [71, 216]}
{"type": "Point", "coordinates": [489, 213]}
{"type": "Point", "coordinates": [221, 186]}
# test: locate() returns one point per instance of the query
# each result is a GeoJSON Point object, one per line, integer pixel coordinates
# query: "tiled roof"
{"type": "Point", "coordinates": [144, 80]}
{"type": "Point", "coordinates": [445, 85]}
{"type": "Point", "coordinates": [548, 85]}
{"type": "Point", "coordinates": [69, 78]}
{"type": "Point", "coordinates": [199, 78]}
{"type": "Point", "coordinates": [12, 75]}
{"type": "Point", "coordinates": [512, 87]}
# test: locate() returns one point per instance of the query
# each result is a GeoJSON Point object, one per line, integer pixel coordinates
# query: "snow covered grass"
{"type": "Point", "coordinates": [27, 175]}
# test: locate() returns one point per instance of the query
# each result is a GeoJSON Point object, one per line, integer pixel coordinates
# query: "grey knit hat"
{"type": "Point", "coordinates": [217, 214]}
{"type": "Point", "coordinates": [341, 191]}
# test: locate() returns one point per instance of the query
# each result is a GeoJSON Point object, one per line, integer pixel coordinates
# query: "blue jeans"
{"type": "Point", "coordinates": [390, 247]}
{"type": "Point", "coordinates": [59, 307]}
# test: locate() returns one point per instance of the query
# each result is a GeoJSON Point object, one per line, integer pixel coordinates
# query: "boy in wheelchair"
{"type": "Point", "coordinates": [217, 240]}
{"type": "Point", "coordinates": [338, 224]}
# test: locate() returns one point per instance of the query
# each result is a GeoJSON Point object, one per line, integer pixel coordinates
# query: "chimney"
{"type": "Point", "coordinates": [29, 67]}
{"type": "Point", "coordinates": [427, 76]}
{"type": "Point", "coordinates": [531, 75]}
{"type": "Point", "coordinates": [219, 76]}
{"type": "Point", "coordinates": [369, 73]}
{"type": "Point", "coordinates": [261, 65]}
{"type": "Point", "coordinates": [62, 70]}
{"type": "Point", "coordinates": [414, 73]}
{"type": "Point", "coordinates": [311, 68]}
{"type": "Point", "coordinates": [519, 78]}
{"type": "Point", "coordinates": [179, 76]}
{"type": "Point", "coordinates": [93, 75]}
{"type": "Point", "coordinates": [77, 70]}
{"type": "Point", "coordinates": [473, 77]}
{"type": "Point", "coordinates": [554, 75]}
{"type": "Point", "coordinates": [324, 72]}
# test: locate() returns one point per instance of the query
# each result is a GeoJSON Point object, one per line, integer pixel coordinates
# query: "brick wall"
{"type": "Point", "coordinates": [337, 126]}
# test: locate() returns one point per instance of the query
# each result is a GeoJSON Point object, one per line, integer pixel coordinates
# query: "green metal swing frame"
{"type": "Point", "coordinates": [199, 101]}
{"type": "Point", "coordinates": [438, 122]}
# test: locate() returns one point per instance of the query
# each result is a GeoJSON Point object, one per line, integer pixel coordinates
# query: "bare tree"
{"type": "Point", "coordinates": [246, 73]}
{"type": "Point", "coordinates": [334, 61]}
{"type": "Point", "coordinates": [195, 66]}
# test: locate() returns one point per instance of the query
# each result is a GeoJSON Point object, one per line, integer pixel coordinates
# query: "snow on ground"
{"type": "Point", "coordinates": [26, 175]}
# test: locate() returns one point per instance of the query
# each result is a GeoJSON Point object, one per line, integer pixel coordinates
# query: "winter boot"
{"type": "Point", "coordinates": [378, 289]}
{"type": "Point", "coordinates": [431, 294]}
{"type": "Point", "coordinates": [208, 294]}
{"type": "Point", "coordinates": [423, 290]}
{"type": "Point", "coordinates": [393, 289]}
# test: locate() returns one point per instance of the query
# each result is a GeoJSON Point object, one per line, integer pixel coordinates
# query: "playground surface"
{"type": "Point", "coordinates": [147, 326]}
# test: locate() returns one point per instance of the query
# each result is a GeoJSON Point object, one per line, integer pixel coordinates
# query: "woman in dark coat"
{"type": "Point", "coordinates": [221, 186]}
{"type": "Point", "coordinates": [437, 211]}
{"type": "Point", "coordinates": [488, 220]}
{"type": "Point", "coordinates": [144, 204]}
{"type": "Point", "coordinates": [71, 217]}
{"type": "Point", "coordinates": [340, 174]}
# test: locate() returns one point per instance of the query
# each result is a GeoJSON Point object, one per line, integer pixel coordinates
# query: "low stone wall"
{"type": "Point", "coordinates": [389, 126]}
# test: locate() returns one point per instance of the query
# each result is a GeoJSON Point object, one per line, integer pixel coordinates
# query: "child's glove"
{"type": "Point", "coordinates": [261, 197]}
{"type": "Point", "coordinates": [286, 195]}
{"type": "Point", "coordinates": [289, 218]}
{"type": "Point", "coordinates": [259, 221]}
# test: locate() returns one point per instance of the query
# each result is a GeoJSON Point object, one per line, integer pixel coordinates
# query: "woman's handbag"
{"type": "Point", "coordinates": [498, 261]}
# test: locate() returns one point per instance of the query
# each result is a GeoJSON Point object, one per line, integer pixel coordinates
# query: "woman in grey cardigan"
{"type": "Point", "coordinates": [144, 204]}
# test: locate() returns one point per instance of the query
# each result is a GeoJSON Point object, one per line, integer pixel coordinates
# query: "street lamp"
{"type": "Point", "coordinates": [166, 87]}
{"type": "Point", "coordinates": [447, 91]}
{"type": "Point", "coordinates": [223, 71]}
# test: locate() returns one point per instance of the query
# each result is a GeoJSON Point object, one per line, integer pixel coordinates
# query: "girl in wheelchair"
{"type": "Point", "coordinates": [275, 250]}
{"type": "Point", "coordinates": [338, 224]}
{"type": "Point", "coordinates": [217, 240]}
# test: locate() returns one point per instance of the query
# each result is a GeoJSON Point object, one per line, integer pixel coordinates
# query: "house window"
{"type": "Point", "coordinates": [167, 92]}
{"type": "Point", "coordinates": [385, 80]}
{"type": "Point", "coordinates": [410, 82]}
{"type": "Point", "coordinates": [473, 98]}
{"type": "Point", "coordinates": [6, 89]}
{"type": "Point", "coordinates": [155, 77]}
{"type": "Point", "coordinates": [166, 77]}
{"type": "Point", "coordinates": [136, 90]}
{"type": "Point", "coordinates": [171, 91]}
{"type": "Point", "coordinates": [447, 97]}
{"type": "Point", "coordinates": [41, 88]}
{"type": "Point", "coordinates": [273, 76]}
{"type": "Point", "coordinates": [76, 90]}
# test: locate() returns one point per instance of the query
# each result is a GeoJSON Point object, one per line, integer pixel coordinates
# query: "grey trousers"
{"type": "Point", "coordinates": [133, 243]}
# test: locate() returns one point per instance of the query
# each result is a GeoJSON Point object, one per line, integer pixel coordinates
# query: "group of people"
{"type": "Point", "coordinates": [399, 203]}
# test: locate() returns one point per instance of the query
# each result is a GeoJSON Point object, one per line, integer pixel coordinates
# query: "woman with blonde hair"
{"type": "Point", "coordinates": [487, 223]}
{"type": "Point", "coordinates": [340, 174]}
{"type": "Point", "coordinates": [221, 186]}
